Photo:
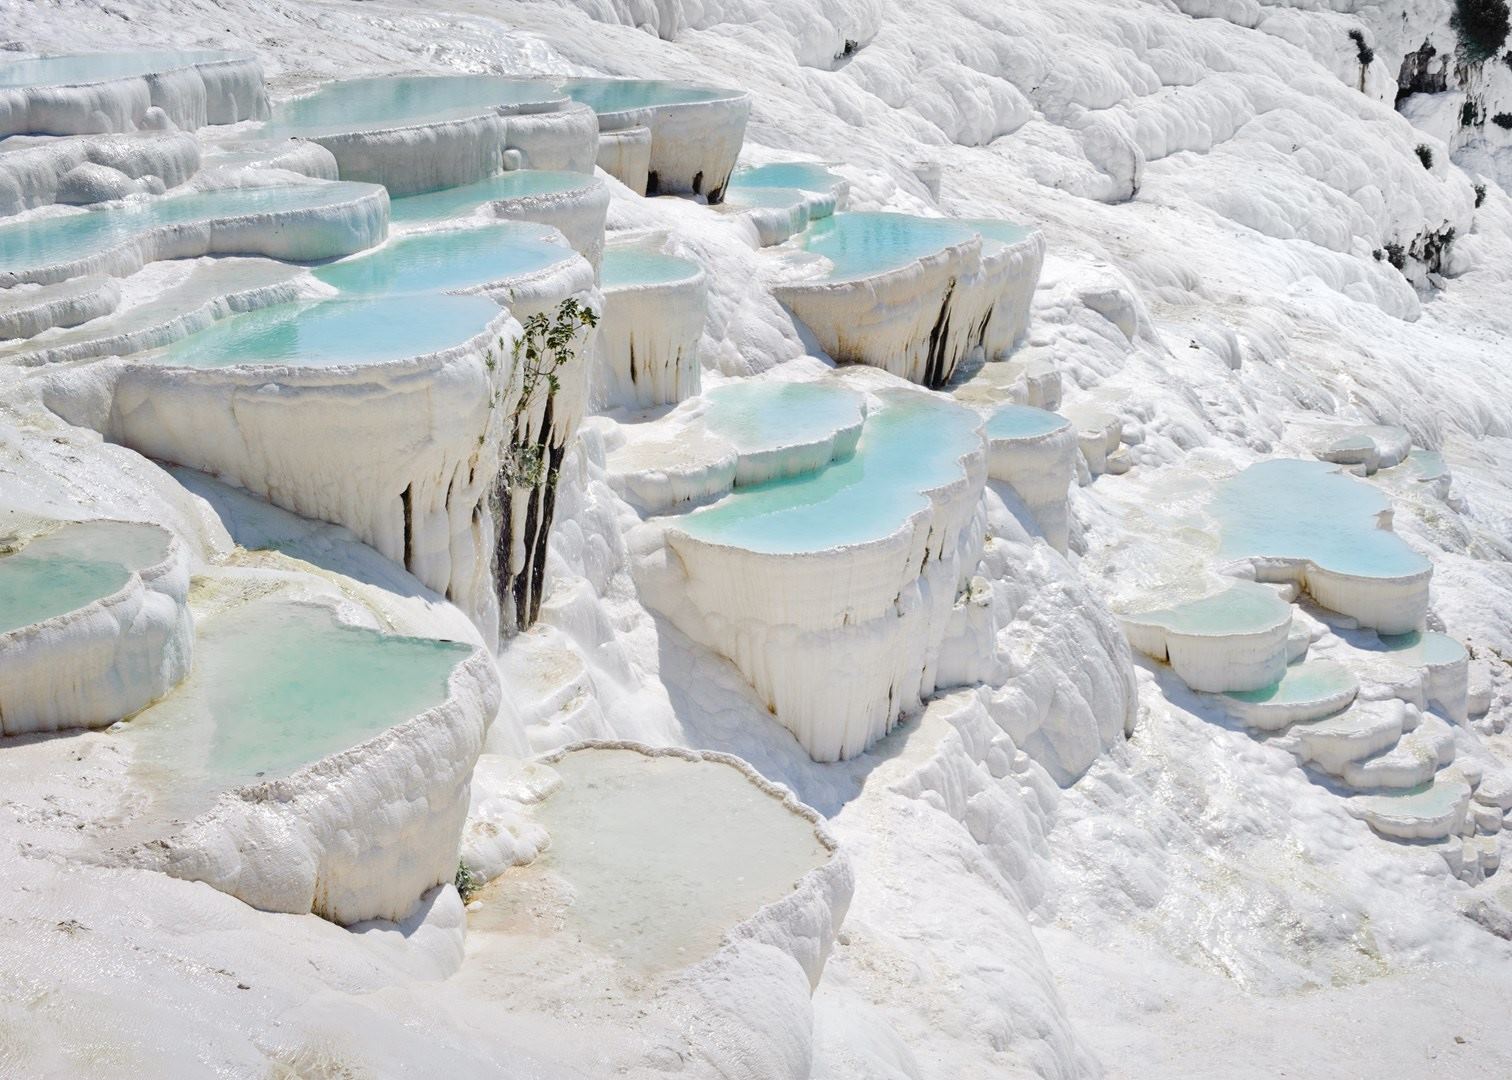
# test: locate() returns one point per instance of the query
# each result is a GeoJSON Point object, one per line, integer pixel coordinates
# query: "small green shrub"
{"type": "Point", "coordinates": [1396, 255]}
{"type": "Point", "coordinates": [467, 884]}
{"type": "Point", "coordinates": [1503, 120]}
{"type": "Point", "coordinates": [1482, 26]}
{"type": "Point", "coordinates": [1470, 113]}
{"type": "Point", "coordinates": [1480, 195]}
{"type": "Point", "coordinates": [1425, 155]}
{"type": "Point", "coordinates": [1365, 52]}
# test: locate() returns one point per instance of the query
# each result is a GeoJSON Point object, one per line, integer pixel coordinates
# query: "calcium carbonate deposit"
{"type": "Point", "coordinates": [787, 540]}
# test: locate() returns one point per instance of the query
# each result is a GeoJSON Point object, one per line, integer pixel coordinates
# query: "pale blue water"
{"type": "Point", "coordinates": [1428, 464]}
{"type": "Point", "coordinates": [665, 855]}
{"type": "Point", "coordinates": [398, 101]}
{"type": "Point", "coordinates": [911, 444]}
{"type": "Point", "coordinates": [330, 333]}
{"type": "Point", "coordinates": [865, 243]}
{"type": "Point", "coordinates": [78, 68]}
{"type": "Point", "coordinates": [1431, 800]}
{"type": "Point", "coordinates": [615, 95]}
{"type": "Point", "coordinates": [446, 260]}
{"type": "Point", "coordinates": [635, 266]}
{"type": "Point", "coordinates": [455, 201]}
{"type": "Point", "coordinates": [1242, 608]}
{"type": "Point", "coordinates": [758, 415]}
{"type": "Point", "coordinates": [277, 685]}
{"type": "Point", "coordinates": [802, 175]}
{"type": "Point", "coordinates": [1022, 422]}
{"type": "Point", "coordinates": [1425, 647]}
{"type": "Point", "coordinates": [773, 197]}
{"type": "Point", "coordinates": [1311, 680]}
{"type": "Point", "coordinates": [67, 237]}
{"type": "Point", "coordinates": [1309, 510]}
{"type": "Point", "coordinates": [73, 566]}
{"type": "Point", "coordinates": [1004, 232]}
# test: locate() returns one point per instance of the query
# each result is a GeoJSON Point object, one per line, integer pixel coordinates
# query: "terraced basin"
{"type": "Point", "coordinates": [1305, 521]}
{"type": "Point", "coordinates": [93, 625]}
{"type": "Point", "coordinates": [1235, 640]}
{"type": "Point", "coordinates": [311, 765]}
{"type": "Point", "coordinates": [90, 93]}
{"type": "Point", "coordinates": [653, 318]}
{"type": "Point", "coordinates": [665, 138]}
{"type": "Point", "coordinates": [296, 222]}
{"type": "Point", "coordinates": [782, 429]}
{"type": "Point", "coordinates": [653, 887]}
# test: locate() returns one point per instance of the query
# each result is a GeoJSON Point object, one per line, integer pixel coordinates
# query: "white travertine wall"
{"type": "Point", "coordinates": [404, 454]}
{"type": "Point", "coordinates": [916, 322]}
{"type": "Point", "coordinates": [1039, 469]}
{"type": "Point", "coordinates": [222, 91]}
{"type": "Point", "coordinates": [1009, 320]}
{"type": "Point", "coordinates": [36, 175]}
{"type": "Point", "coordinates": [648, 343]}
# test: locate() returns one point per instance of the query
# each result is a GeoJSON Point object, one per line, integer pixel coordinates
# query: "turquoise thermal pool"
{"type": "Point", "coordinates": [65, 238]}
{"type": "Point", "coordinates": [1309, 681]}
{"type": "Point", "coordinates": [912, 444]}
{"type": "Point", "coordinates": [753, 415]}
{"type": "Point", "coordinates": [796, 175]}
{"type": "Point", "coordinates": [653, 884]}
{"type": "Point", "coordinates": [456, 201]}
{"type": "Point", "coordinates": [447, 260]}
{"type": "Point", "coordinates": [1243, 608]}
{"type": "Point", "coordinates": [1424, 648]}
{"type": "Point", "coordinates": [278, 685]}
{"type": "Point", "coordinates": [998, 230]}
{"type": "Point", "coordinates": [1308, 510]}
{"type": "Point", "coordinates": [72, 567]}
{"type": "Point", "coordinates": [618, 95]}
{"type": "Point", "coordinates": [629, 266]}
{"type": "Point", "coordinates": [81, 68]}
{"type": "Point", "coordinates": [865, 243]}
{"type": "Point", "coordinates": [399, 101]}
{"type": "Point", "coordinates": [332, 333]}
{"type": "Point", "coordinates": [1022, 422]}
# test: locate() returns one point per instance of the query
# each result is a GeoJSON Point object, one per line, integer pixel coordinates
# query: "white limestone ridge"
{"type": "Point", "coordinates": [1011, 579]}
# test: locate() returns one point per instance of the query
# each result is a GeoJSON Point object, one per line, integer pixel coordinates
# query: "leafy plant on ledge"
{"type": "Point", "coordinates": [540, 353]}
{"type": "Point", "coordinates": [1482, 26]}
{"type": "Point", "coordinates": [1425, 155]}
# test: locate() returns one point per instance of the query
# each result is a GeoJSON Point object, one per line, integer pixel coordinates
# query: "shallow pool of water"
{"type": "Point", "coordinates": [1424, 647]}
{"type": "Point", "coordinates": [455, 201]}
{"type": "Point", "coordinates": [331, 333]}
{"type": "Point", "coordinates": [398, 101]}
{"type": "Point", "coordinates": [1310, 680]}
{"type": "Point", "coordinates": [664, 854]}
{"type": "Point", "coordinates": [1309, 510]}
{"type": "Point", "coordinates": [865, 243]}
{"type": "Point", "coordinates": [1022, 422]}
{"type": "Point", "coordinates": [66, 237]}
{"type": "Point", "coordinates": [802, 175]}
{"type": "Point", "coordinates": [80, 68]}
{"type": "Point", "coordinates": [277, 685]}
{"type": "Point", "coordinates": [911, 444]}
{"type": "Point", "coordinates": [625, 266]}
{"type": "Point", "coordinates": [75, 565]}
{"type": "Point", "coordinates": [998, 230]}
{"type": "Point", "coordinates": [614, 95]}
{"type": "Point", "coordinates": [753, 415]}
{"type": "Point", "coordinates": [1243, 608]}
{"type": "Point", "coordinates": [446, 260]}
